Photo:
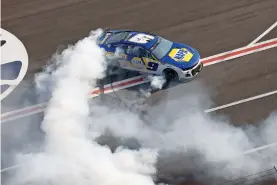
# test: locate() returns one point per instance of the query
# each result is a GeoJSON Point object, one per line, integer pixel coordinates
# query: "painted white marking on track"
{"type": "Point", "coordinates": [236, 53]}
{"type": "Point", "coordinates": [263, 34]}
{"type": "Point", "coordinates": [260, 148]}
{"type": "Point", "coordinates": [9, 82]}
{"type": "Point", "coordinates": [241, 101]}
{"type": "Point", "coordinates": [12, 167]}
{"type": "Point", "coordinates": [13, 50]}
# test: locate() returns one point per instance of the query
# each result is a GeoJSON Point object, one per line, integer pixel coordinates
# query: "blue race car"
{"type": "Point", "coordinates": [152, 54]}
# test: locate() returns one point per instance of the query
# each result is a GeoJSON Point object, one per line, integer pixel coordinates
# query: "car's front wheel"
{"type": "Point", "coordinates": [169, 75]}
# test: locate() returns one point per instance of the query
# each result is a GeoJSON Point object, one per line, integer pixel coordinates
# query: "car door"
{"type": "Point", "coordinates": [122, 56]}
{"type": "Point", "coordinates": [142, 60]}
{"type": "Point", "coordinates": [135, 57]}
{"type": "Point", "coordinates": [152, 65]}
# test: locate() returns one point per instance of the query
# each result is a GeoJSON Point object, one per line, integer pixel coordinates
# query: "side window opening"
{"type": "Point", "coordinates": [135, 51]}
{"type": "Point", "coordinates": [121, 49]}
{"type": "Point", "coordinates": [140, 52]}
{"type": "Point", "coordinates": [151, 56]}
{"type": "Point", "coordinates": [143, 53]}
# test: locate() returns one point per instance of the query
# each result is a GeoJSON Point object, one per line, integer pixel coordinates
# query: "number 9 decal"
{"type": "Point", "coordinates": [152, 66]}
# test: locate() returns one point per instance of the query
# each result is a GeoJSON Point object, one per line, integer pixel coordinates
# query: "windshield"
{"type": "Point", "coordinates": [162, 48]}
{"type": "Point", "coordinates": [117, 37]}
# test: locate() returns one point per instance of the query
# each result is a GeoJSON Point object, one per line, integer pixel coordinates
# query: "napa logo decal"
{"type": "Point", "coordinates": [181, 55]}
{"type": "Point", "coordinates": [14, 62]}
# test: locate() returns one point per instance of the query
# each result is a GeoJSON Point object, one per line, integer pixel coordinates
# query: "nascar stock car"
{"type": "Point", "coordinates": [151, 54]}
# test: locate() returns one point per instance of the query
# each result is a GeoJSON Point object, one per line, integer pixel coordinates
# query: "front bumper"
{"type": "Point", "coordinates": [193, 72]}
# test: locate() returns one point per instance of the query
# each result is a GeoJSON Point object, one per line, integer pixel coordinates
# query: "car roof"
{"type": "Point", "coordinates": [143, 39]}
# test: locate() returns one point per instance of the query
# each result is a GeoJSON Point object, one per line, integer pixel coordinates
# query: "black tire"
{"type": "Point", "coordinates": [169, 75]}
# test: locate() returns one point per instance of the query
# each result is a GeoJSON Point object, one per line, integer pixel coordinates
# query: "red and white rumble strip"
{"type": "Point", "coordinates": [240, 52]}
{"type": "Point", "coordinates": [8, 116]}
{"type": "Point", "coordinates": [130, 82]}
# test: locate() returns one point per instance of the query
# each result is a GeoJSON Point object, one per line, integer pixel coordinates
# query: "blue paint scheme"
{"type": "Point", "coordinates": [11, 70]}
{"type": "Point", "coordinates": [148, 46]}
{"type": "Point", "coordinates": [183, 65]}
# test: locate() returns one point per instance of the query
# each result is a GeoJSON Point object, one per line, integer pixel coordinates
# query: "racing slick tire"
{"type": "Point", "coordinates": [169, 75]}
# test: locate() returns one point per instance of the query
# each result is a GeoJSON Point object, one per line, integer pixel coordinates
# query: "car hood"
{"type": "Point", "coordinates": [182, 56]}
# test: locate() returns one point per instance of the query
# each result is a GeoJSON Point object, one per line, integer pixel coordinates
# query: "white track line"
{"type": "Point", "coordinates": [12, 167]}
{"type": "Point", "coordinates": [236, 53]}
{"type": "Point", "coordinates": [9, 82]}
{"type": "Point", "coordinates": [260, 148]}
{"type": "Point", "coordinates": [263, 34]}
{"type": "Point", "coordinates": [241, 101]}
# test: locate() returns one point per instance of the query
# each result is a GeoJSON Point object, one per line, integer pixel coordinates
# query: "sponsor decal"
{"type": "Point", "coordinates": [181, 55]}
{"type": "Point", "coordinates": [109, 54]}
{"type": "Point", "coordinates": [14, 62]}
{"type": "Point", "coordinates": [141, 38]}
{"type": "Point", "coordinates": [137, 63]}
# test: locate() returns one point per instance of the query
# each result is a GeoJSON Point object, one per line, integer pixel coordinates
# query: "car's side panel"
{"type": "Point", "coordinates": [137, 63]}
{"type": "Point", "coordinates": [152, 65]}
{"type": "Point", "coordinates": [145, 65]}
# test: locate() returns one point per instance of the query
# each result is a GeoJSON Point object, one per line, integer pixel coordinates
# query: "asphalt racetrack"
{"type": "Point", "coordinates": [211, 26]}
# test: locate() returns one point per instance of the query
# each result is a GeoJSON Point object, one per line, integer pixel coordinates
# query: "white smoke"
{"type": "Point", "coordinates": [157, 82]}
{"type": "Point", "coordinates": [181, 131]}
{"type": "Point", "coordinates": [70, 156]}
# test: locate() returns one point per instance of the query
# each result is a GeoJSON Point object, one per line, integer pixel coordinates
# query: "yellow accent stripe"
{"type": "Point", "coordinates": [188, 57]}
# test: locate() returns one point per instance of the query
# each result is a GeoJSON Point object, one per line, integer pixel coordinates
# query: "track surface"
{"type": "Point", "coordinates": [212, 26]}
